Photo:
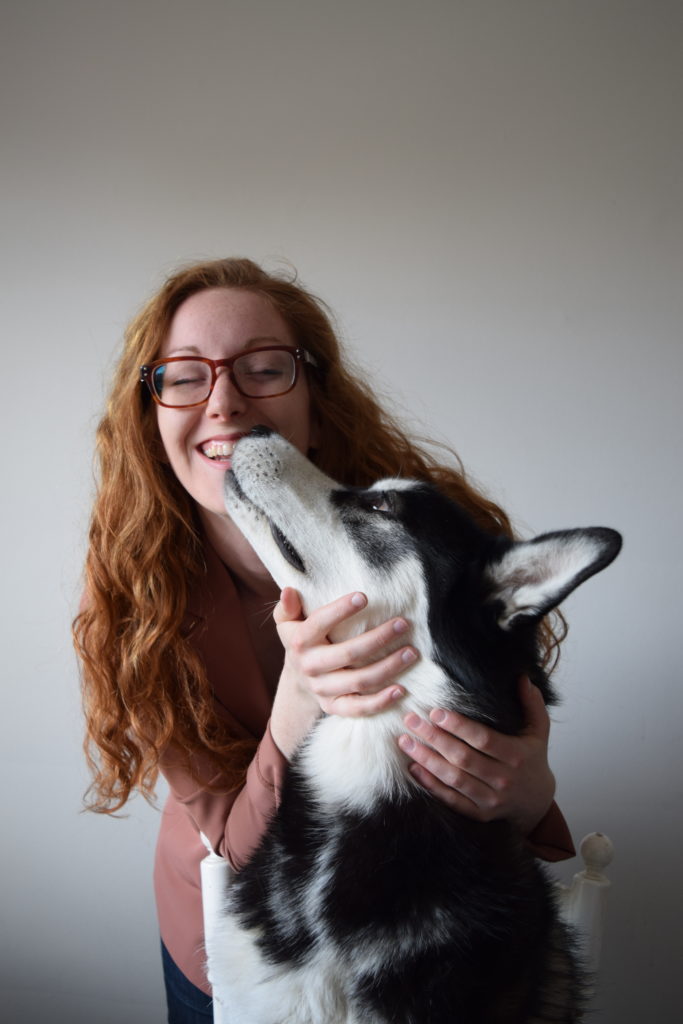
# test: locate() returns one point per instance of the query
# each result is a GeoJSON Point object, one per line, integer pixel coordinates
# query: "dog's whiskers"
{"type": "Point", "coordinates": [267, 612]}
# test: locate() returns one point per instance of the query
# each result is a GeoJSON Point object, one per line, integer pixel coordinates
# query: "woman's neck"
{"type": "Point", "coordinates": [257, 591]}
{"type": "Point", "coordinates": [252, 579]}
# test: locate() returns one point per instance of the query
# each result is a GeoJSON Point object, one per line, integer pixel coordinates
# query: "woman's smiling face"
{"type": "Point", "coordinates": [219, 323]}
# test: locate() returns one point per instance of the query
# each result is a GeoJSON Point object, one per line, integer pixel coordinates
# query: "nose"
{"type": "Point", "coordinates": [225, 401]}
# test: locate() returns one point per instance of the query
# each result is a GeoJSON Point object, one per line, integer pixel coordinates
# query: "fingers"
{"type": "Point", "coordinates": [316, 655]}
{"type": "Point", "coordinates": [320, 622]}
{"type": "Point", "coordinates": [356, 705]}
{"type": "Point", "coordinates": [361, 649]}
{"type": "Point", "coordinates": [369, 679]}
{"type": "Point", "coordinates": [288, 608]}
{"type": "Point", "coordinates": [356, 676]}
{"type": "Point", "coordinates": [494, 744]}
{"type": "Point", "coordinates": [475, 736]}
{"type": "Point", "coordinates": [456, 799]}
{"type": "Point", "coordinates": [465, 780]}
{"type": "Point", "coordinates": [456, 763]}
{"type": "Point", "coordinates": [480, 772]}
{"type": "Point", "coordinates": [460, 787]}
{"type": "Point", "coordinates": [319, 657]}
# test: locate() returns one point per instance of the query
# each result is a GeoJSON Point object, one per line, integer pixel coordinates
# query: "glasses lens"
{"type": "Point", "coordinates": [262, 374]}
{"type": "Point", "coordinates": [184, 382]}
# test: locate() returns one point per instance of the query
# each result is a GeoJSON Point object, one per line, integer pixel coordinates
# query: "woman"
{"type": "Point", "coordinates": [185, 671]}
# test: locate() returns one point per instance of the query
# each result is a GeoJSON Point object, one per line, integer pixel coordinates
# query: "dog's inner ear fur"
{"type": "Point", "coordinates": [533, 577]}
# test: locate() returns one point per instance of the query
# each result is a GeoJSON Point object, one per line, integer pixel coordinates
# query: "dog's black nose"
{"type": "Point", "coordinates": [260, 431]}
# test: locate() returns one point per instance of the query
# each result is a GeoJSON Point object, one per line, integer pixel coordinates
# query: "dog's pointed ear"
{"type": "Point", "coordinates": [535, 576]}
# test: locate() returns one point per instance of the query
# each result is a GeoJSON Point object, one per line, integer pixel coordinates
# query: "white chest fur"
{"type": "Point", "coordinates": [351, 763]}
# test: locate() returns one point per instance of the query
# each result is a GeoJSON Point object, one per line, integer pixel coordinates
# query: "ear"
{"type": "Point", "coordinates": [533, 577]}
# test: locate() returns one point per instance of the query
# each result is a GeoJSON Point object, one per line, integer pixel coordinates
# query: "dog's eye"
{"type": "Point", "coordinates": [380, 502]}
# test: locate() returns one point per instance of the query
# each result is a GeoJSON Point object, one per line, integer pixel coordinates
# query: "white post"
{"type": "Point", "coordinates": [583, 903]}
{"type": "Point", "coordinates": [215, 878]}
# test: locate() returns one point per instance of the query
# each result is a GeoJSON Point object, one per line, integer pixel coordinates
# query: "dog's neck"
{"type": "Point", "coordinates": [352, 763]}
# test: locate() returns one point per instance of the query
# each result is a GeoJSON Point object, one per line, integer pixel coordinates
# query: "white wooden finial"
{"type": "Point", "coordinates": [582, 904]}
{"type": "Point", "coordinates": [597, 852]}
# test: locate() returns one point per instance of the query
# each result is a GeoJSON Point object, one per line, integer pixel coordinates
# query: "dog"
{"type": "Point", "coordinates": [369, 901]}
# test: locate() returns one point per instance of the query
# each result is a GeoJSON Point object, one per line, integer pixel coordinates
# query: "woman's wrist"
{"type": "Point", "coordinates": [294, 713]}
{"type": "Point", "coordinates": [530, 817]}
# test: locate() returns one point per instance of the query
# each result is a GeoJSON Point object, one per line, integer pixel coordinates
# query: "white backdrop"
{"type": "Point", "coordinates": [489, 195]}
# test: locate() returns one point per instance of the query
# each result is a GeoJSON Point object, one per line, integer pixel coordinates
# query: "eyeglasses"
{"type": "Point", "coordinates": [180, 382]}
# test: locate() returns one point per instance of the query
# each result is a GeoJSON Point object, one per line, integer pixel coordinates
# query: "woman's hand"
{"type": "Point", "coordinates": [482, 773]}
{"type": "Point", "coordinates": [353, 677]}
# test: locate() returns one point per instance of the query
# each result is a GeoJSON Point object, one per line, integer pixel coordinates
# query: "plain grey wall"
{"type": "Point", "coordinates": [489, 195]}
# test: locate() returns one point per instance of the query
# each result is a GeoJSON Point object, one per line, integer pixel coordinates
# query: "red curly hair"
{"type": "Point", "coordinates": [143, 683]}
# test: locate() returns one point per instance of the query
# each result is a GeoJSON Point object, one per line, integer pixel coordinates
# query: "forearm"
{"type": "Point", "coordinates": [294, 714]}
{"type": "Point", "coordinates": [233, 818]}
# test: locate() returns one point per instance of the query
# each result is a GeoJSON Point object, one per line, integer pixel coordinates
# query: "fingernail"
{"type": "Point", "coordinates": [406, 744]}
{"type": "Point", "coordinates": [358, 600]}
{"type": "Point", "coordinates": [400, 626]}
{"type": "Point", "coordinates": [438, 716]}
{"type": "Point", "coordinates": [408, 656]}
{"type": "Point", "coordinates": [412, 720]}
{"type": "Point", "coordinates": [397, 693]}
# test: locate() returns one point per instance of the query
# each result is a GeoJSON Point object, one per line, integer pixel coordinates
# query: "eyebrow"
{"type": "Point", "coordinates": [249, 344]}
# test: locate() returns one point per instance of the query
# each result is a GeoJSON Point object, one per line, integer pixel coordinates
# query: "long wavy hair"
{"type": "Point", "coordinates": [143, 683]}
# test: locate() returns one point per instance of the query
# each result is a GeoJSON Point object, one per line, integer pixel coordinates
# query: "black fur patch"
{"type": "Point", "coordinates": [471, 648]}
{"type": "Point", "coordinates": [373, 532]}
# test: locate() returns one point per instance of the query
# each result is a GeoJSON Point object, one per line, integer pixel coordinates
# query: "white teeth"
{"type": "Point", "coordinates": [218, 449]}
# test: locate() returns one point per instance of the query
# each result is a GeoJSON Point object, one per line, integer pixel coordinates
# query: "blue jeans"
{"type": "Point", "coordinates": [186, 1003]}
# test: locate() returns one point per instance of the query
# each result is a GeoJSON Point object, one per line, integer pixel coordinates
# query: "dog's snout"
{"type": "Point", "coordinates": [260, 431]}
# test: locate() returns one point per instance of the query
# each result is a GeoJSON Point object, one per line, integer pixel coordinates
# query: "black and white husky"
{"type": "Point", "coordinates": [368, 900]}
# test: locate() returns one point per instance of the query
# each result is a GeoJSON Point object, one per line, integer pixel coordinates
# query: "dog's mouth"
{"type": "Point", "coordinates": [287, 550]}
{"type": "Point", "coordinates": [285, 547]}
